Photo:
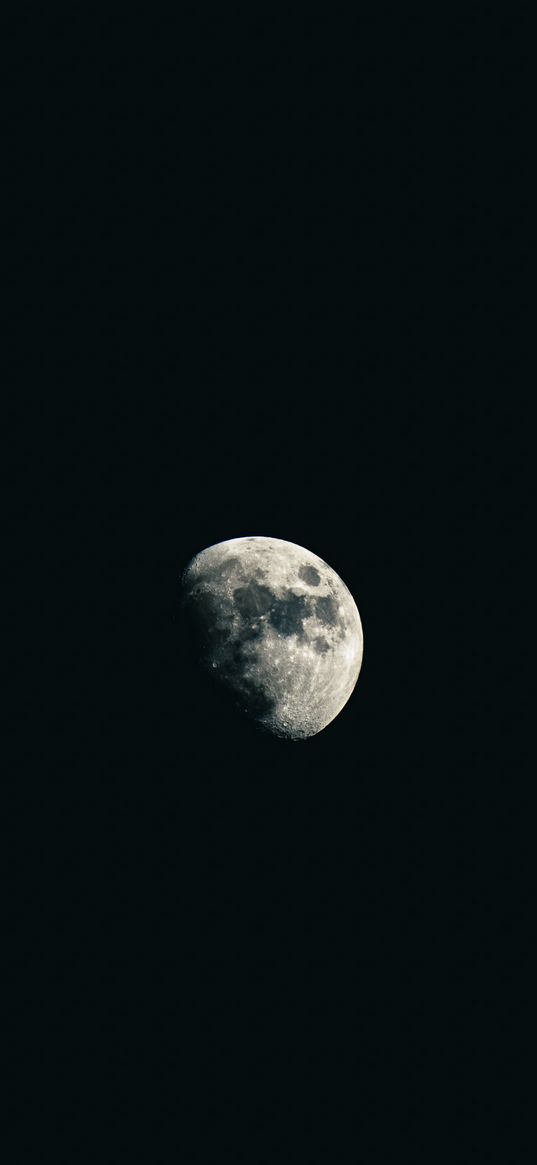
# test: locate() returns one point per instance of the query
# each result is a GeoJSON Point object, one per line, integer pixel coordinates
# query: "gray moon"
{"type": "Point", "coordinates": [279, 628]}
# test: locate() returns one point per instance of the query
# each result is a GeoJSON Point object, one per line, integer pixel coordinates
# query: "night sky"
{"type": "Point", "coordinates": [298, 241]}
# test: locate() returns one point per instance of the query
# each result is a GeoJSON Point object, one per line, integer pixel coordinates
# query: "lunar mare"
{"type": "Point", "coordinates": [279, 628]}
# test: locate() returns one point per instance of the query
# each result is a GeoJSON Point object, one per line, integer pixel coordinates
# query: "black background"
{"type": "Point", "coordinates": [294, 248]}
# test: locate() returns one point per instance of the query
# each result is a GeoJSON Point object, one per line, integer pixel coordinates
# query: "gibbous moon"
{"type": "Point", "coordinates": [279, 628]}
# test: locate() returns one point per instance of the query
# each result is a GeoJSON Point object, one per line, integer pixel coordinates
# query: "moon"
{"type": "Point", "coordinates": [278, 628]}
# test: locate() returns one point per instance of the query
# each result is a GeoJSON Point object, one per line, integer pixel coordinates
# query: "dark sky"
{"type": "Point", "coordinates": [298, 242]}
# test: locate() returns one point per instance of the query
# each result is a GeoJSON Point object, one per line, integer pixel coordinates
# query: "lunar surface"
{"type": "Point", "coordinates": [279, 628]}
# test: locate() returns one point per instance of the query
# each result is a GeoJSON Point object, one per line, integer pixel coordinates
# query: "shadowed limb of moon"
{"type": "Point", "coordinates": [279, 628]}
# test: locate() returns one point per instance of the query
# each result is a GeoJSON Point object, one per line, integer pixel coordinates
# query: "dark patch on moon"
{"type": "Point", "coordinates": [253, 600]}
{"type": "Point", "coordinates": [309, 575]}
{"type": "Point", "coordinates": [229, 567]}
{"type": "Point", "coordinates": [288, 614]}
{"type": "Point", "coordinates": [250, 633]}
{"type": "Point", "coordinates": [326, 610]}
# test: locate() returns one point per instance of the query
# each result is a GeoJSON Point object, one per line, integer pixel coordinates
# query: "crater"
{"type": "Point", "coordinates": [309, 575]}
